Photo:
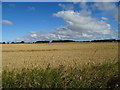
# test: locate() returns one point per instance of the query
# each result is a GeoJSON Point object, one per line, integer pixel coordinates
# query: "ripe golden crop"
{"type": "Point", "coordinates": [69, 54]}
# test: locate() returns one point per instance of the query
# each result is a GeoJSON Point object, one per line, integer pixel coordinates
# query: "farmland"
{"type": "Point", "coordinates": [25, 55]}
{"type": "Point", "coordinates": [50, 57]}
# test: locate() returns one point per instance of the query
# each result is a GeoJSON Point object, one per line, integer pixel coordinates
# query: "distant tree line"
{"type": "Point", "coordinates": [42, 42]}
{"type": "Point", "coordinates": [12, 42]}
{"type": "Point", "coordinates": [106, 40]}
{"type": "Point", "coordinates": [64, 41]}
{"type": "Point", "coordinates": [56, 41]}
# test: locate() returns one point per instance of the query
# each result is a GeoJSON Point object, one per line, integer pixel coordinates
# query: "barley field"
{"type": "Point", "coordinates": [65, 65]}
{"type": "Point", "coordinates": [55, 54]}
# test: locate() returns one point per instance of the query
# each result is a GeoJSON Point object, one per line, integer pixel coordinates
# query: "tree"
{"type": "Point", "coordinates": [12, 42]}
{"type": "Point", "coordinates": [22, 41]}
{"type": "Point", "coordinates": [3, 42]}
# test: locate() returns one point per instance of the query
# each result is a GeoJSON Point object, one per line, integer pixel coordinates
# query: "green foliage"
{"type": "Point", "coordinates": [92, 76]}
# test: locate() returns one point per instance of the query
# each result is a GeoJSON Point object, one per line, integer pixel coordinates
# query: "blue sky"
{"type": "Point", "coordinates": [0, 20]}
{"type": "Point", "coordinates": [57, 20]}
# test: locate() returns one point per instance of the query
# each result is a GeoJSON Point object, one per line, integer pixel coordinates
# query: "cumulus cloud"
{"type": "Point", "coordinates": [7, 22]}
{"type": "Point", "coordinates": [79, 27]}
{"type": "Point", "coordinates": [85, 26]}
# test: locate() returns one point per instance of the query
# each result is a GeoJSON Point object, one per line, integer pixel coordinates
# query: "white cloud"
{"type": "Point", "coordinates": [104, 18]}
{"type": "Point", "coordinates": [108, 8]}
{"type": "Point", "coordinates": [85, 9]}
{"type": "Point", "coordinates": [83, 5]}
{"type": "Point", "coordinates": [78, 27]}
{"type": "Point", "coordinates": [85, 25]}
{"type": "Point", "coordinates": [33, 35]}
{"type": "Point", "coordinates": [66, 7]}
{"type": "Point", "coordinates": [7, 22]}
{"type": "Point", "coordinates": [104, 6]}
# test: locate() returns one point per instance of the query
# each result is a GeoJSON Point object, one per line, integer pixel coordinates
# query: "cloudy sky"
{"type": "Point", "coordinates": [25, 21]}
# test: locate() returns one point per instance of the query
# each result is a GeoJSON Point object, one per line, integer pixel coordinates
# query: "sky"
{"type": "Point", "coordinates": [33, 21]}
{"type": "Point", "coordinates": [0, 20]}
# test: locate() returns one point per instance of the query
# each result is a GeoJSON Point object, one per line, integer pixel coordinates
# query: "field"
{"type": "Point", "coordinates": [69, 65]}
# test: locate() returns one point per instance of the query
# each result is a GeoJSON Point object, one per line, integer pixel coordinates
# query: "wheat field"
{"type": "Point", "coordinates": [18, 56]}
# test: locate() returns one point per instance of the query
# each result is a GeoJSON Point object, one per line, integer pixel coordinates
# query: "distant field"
{"type": "Point", "coordinates": [69, 54]}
